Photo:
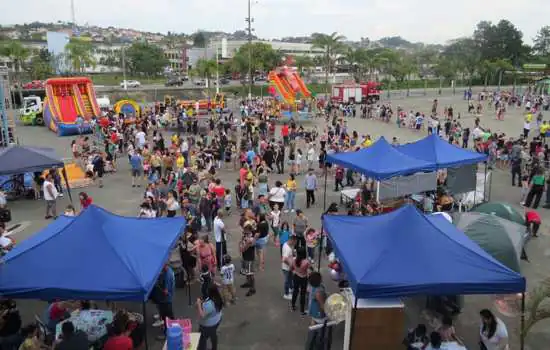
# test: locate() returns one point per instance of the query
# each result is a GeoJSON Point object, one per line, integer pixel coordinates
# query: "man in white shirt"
{"type": "Point", "coordinates": [287, 256]}
{"type": "Point", "coordinates": [140, 139]}
{"type": "Point", "coordinates": [219, 236]}
{"type": "Point", "coordinates": [50, 196]}
{"type": "Point", "coordinates": [184, 148]}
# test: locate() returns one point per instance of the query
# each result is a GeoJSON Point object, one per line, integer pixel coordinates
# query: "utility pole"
{"type": "Point", "coordinates": [217, 71]}
{"type": "Point", "coordinates": [249, 21]}
{"type": "Point", "coordinates": [124, 69]}
{"type": "Point", "coordinates": [73, 18]}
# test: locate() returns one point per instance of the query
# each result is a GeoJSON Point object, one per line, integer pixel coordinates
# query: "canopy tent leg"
{"type": "Point", "coordinates": [64, 172]}
{"type": "Point", "coordinates": [322, 227]}
{"type": "Point", "coordinates": [353, 316]}
{"type": "Point", "coordinates": [144, 310]}
{"type": "Point", "coordinates": [522, 336]}
{"type": "Point", "coordinates": [377, 191]}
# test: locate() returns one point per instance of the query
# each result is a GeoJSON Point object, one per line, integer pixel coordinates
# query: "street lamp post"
{"type": "Point", "coordinates": [249, 21]}
{"type": "Point", "coordinates": [124, 69]}
{"type": "Point", "coordinates": [217, 71]}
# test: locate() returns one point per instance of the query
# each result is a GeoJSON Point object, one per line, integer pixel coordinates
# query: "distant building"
{"type": "Point", "coordinates": [287, 48]}
{"type": "Point", "coordinates": [56, 42]}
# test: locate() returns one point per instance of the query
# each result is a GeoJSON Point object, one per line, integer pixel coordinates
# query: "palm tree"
{"type": "Point", "coordinates": [332, 45]}
{"type": "Point", "coordinates": [79, 55]}
{"type": "Point", "coordinates": [18, 54]}
{"type": "Point", "coordinates": [206, 69]}
{"type": "Point", "coordinates": [303, 63]}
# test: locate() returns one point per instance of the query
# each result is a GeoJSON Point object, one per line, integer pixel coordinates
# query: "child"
{"type": "Point", "coordinates": [284, 235]}
{"type": "Point", "coordinates": [275, 216]}
{"type": "Point", "coordinates": [227, 201]}
{"type": "Point", "coordinates": [524, 187]}
{"type": "Point", "coordinates": [69, 211]}
{"type": "Point", "coordinates": [206, 280]}
{"type": "Point", "coordinates": [227, 273]}
{"type": "Point", "coordinates": [312, 239]}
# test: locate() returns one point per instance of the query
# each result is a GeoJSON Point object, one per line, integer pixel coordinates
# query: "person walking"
{"type": "Point", "coordinates": [537, 188]}
{"type": "Point", "coordinates": [287, 259]}
{"type": "Point", "coordinates": [300, 268]}
{"type": "Point", "coordinates": [219, 235]}
{"type": "Point", "coordinates": [210, 317]}
{"type": "Point", "coordinates": [311, 187]}
{"type": "Point", "coordinates": [50, 196]}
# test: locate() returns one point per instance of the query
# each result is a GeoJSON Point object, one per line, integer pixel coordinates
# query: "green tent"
{"type": "Point", "coordinates": [502, 239]}
{"type": "Point", "coordinates": [502, 210]}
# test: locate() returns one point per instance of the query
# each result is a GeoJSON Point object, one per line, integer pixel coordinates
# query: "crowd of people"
{"type": "Point", "coordinates": [183, 173]}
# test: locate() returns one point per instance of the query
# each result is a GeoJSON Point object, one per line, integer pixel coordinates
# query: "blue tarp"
{"type": "Point", "coordinates": [406, 253]}
{"type": "Point", "coordinates": [94, 256]}
{"type": "Point", "coordinates": [22, 159]}
{"type": "Point", "coordinates": [380, 161]}
{"type": "Point", "coordinates": [440, 152]}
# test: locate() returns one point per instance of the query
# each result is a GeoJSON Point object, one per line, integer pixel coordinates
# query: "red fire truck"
{"type": "Point", "coordinates": [368, 92]}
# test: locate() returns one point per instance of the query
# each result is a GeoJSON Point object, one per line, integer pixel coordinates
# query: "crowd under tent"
{"type": "Point", "coordinates": [405, 253]}
{"type": "Point", "coordinates": [18, 160]}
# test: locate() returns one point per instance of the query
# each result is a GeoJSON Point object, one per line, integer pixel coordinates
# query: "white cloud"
{"type": "Point", "coordinates": [415, 20]}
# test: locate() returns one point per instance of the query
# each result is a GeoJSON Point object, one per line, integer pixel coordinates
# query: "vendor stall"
{"type": "Point", "coordinates": [393, 255]}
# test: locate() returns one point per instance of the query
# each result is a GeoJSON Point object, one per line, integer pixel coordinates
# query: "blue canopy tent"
{"type": "Point", "coordinates": [18, 160]}
{"type": "Point", "coordinates": [380, 161]}
{"type": "Point", "coordinates": [406, 253]}
{"type": "Point", "coordinates": [94, 256]}
{"type": "Point", "coordinates": [440, 152]}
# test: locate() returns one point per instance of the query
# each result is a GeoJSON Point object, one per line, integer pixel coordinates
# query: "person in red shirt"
{"type": "Point", "coordinates": [532, 221]}
{"type": "Point", "coordinates": [85, 200]}
{"type": "Point", "coordinates": [119, 334]}
{"type": "Point", "coordinates": [219, 190]}
{"type": "Point", "coordinates": [284, 133]}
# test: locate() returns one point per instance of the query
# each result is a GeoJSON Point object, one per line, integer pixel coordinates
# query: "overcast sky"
{"type": "Point", "coordinates": [431, 21]}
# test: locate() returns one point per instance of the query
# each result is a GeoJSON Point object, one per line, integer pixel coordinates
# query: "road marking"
{"type": "Point", "coordinates": [16, 228]}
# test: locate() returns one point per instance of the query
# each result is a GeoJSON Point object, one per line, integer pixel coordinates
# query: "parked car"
{"type": "Point", "coordinates": [174, 82]}
{"type": "Point", "coordinates": [223, 81]}
{"type": "Point", "coordinates": [35, 84]}
{"type": "Point", "coordinates": [200, 82]}
{"type": "Point", "coordinates": [130, 84]}
{"type": "Point", "coordinates": [185, 78]}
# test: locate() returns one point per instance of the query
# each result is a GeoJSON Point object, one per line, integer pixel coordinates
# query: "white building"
{"type": "Point", "coordinates": [230, 47]}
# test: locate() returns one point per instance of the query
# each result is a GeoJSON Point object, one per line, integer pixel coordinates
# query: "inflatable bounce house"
{"type": "Point", "coordinates": [129, 108]}
{"type": "Point", "coordinates": [70, 104]}
{"type": "Point", "coordinates": [204, 106]}
{"type": "Point", "coordinates": [289, 90]}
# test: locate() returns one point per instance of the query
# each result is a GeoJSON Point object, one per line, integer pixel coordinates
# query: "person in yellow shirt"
{"type": "Point", "coordinates": [544, 128]}
{"type": "Point", "coordinates": [367, 142]}
{"type": "Point", "coordinates": [291, 188]}
{"type": "Point", "coordinates": [529, 117]}
{"type": "Point", "coordinates": [180, 161]}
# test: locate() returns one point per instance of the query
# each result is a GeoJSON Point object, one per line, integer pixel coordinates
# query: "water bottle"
{"type": "Point", "coordinates": [174, 338]}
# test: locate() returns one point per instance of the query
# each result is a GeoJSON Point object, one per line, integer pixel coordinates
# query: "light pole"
{"type": "Point", "coordinates": [217, 71]}
{"type": "Point", "coordinates": [249, 21]}
{"type": "Point", "coordinates": [124, 69]}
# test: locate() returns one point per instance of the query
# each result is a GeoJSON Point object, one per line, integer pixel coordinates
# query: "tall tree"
{"type": "Point", "coordinates": [303, 63]}
{"type": "Point", "coordinates": [332, 46]}
{"type": "Point", "coordinates": [260, 57]}
{"type": "Point", "coordinates": [40, 66]}
{"type": "Point", "coordinates": [500, 41]}
{"type": "Point", "coordinates": [18, 54]}
{"type": "Point", "coordinates": [78, 54]}
{"type": "Point", "coordinates": [145, 58]}
{"type": "Point", "coordinates": [541, 43]}
{"type": "Point", "coordinates": [200, 39]}
{"type": "Point", "coordinates": [206, 68]}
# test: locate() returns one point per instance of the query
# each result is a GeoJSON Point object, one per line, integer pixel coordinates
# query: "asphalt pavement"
{"type": "Point", "coordinates": [264, 321]}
